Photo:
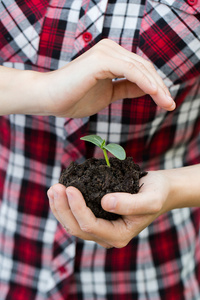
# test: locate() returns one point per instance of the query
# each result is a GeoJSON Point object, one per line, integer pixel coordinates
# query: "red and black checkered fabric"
{"type": "Point", "coordinates": [38, 259]}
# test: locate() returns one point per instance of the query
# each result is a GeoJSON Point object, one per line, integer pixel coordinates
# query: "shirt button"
{"type": "Point", "coordinates": [192, 2]}
{"type": "Point", "coordinates": [87, 36]}
{"type": "Point", "coordinates": [62, 270]}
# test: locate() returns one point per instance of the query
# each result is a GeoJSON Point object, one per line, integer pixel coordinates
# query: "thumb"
{"type": "Point", "coordinates": [131, 204]}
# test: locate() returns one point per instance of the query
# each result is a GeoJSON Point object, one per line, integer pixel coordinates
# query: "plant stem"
{"type": "Point", "coordinates": [106, 157]}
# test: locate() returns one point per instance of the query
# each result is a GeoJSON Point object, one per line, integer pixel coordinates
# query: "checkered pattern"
{"type": "Point", "coordinates": [38, 259]}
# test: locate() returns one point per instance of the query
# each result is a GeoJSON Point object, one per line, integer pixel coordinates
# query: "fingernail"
{"type": "Point", "coordinates": [50, 195]}
{"type": "Point", "coordinates": [173, 106]}
{"type": "Point", "coordinates": [69, 195]}
{"type": "Point", "coordinates": [169, 98]}
{"type": "Point", "coordinates": [111, 203]}
{"type": "Point", "coordinates": [171, 102]}
{"type": "Point", "coordinates": [55, 195]}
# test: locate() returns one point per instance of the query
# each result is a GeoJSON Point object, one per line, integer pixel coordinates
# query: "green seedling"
{"type": "Point", "coordinates": [114, 149]}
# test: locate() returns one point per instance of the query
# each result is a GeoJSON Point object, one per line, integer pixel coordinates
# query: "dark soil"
{"type": "Point", "coordinates": [94, 179]}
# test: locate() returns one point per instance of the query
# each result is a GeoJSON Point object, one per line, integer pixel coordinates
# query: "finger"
{"type": "Point", "coordinates": [125, 89]}
{"type": "Point", "coordinates": [105, 64]}
{"type": "Point", "coordinates": [50, 194]}
{"type": "Point", "coordinates": [158, 90]}
{"type": "Point", "coordinates": [110, 68]}
{"type": "Point", "coordinates": [121, 68]}
{"type": "Point", "coordinates": [163, 100]}
{"type": "Point", "coordinates": [163, 94]}
{"type": "Point", "coordinates": [120, 52]}
{"type": "Point", "coordinates": [114, 233]}
{"type": "Point", "coordinates": [61, 210]}
{"type": "Point", "coordinates": [80, 210]}
{"type": "Point", "coordinates": [149, 83]}
{"type": "Point", "coordinates": [131, 204]}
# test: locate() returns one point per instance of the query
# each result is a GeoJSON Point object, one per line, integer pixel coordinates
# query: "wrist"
{"type": "Point", "coordinates": [32, 93]}
{"type": "Point", "coordinates": [184, 187]}
{"type": "Point", "coordinates": [21, 91]}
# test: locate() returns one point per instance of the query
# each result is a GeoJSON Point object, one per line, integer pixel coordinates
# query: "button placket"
{"type": "Point", "coordinates": [90, 24]}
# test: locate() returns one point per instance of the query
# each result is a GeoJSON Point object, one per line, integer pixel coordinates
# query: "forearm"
{"type": "Point", "coordinates": [184, 187]}
{"type": "Point", "coordinates": [19, 91]}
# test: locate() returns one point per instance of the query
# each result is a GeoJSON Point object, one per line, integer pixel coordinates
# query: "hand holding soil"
{"type": "Point", "coordinates": [161, 191]}
{"type": "Point", "coordinates": [94, 179]}
{"type": "Point", "coordinates": [137, 210]}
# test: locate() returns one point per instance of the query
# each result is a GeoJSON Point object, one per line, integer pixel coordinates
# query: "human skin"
{"type": "Point", "coordinates": [84, 86]}
{"type": "Point", "coordinates": [161, 192]}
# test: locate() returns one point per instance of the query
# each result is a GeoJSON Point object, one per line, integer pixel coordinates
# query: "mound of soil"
{"type": "Point", "coordinates": [94, 179]}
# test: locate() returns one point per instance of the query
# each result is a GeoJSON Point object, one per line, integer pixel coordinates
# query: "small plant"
{"type": "Point", "coordinates": [114, 149]}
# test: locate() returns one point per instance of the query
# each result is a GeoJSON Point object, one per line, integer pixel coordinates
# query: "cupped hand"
{"type": "Point", "coordinates": [138, 211]}
{"type": "Point", "coordinates": [85, 86]}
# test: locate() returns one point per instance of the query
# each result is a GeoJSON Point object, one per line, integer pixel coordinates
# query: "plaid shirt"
{"type": "Point", "coordinates": [38, 259]}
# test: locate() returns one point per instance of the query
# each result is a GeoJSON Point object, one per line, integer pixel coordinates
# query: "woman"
{"type": "Point", "coordinates": [60, 87]}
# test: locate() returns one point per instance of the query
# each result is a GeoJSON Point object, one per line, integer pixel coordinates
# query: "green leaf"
{"type": "Point", "coordinates": [92, 138]}
{"type": "Point", "coordinates": [117, 150]}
